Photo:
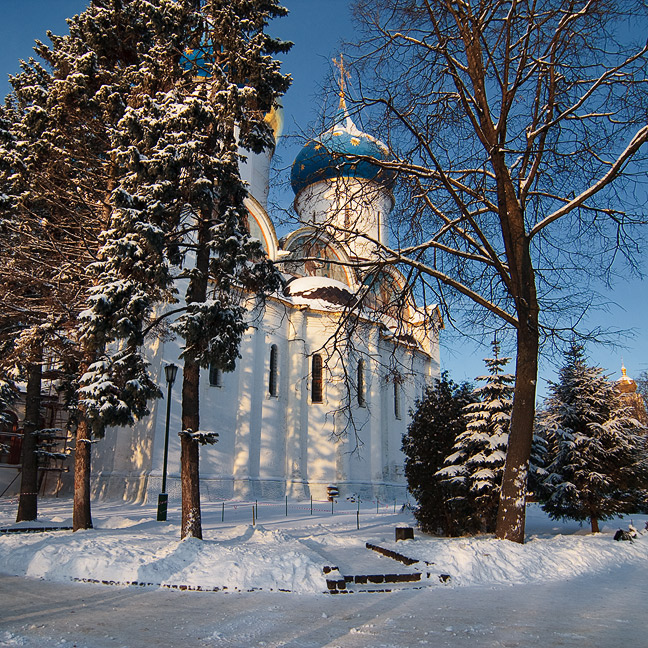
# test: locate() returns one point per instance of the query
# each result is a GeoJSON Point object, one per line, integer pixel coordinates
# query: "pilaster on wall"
{"type": "Point", "coordinates": [244, 426]}
{"type": "Point", "coordinates": [297, 406]}
{"type": "Point", "coordinates": [258, 351]}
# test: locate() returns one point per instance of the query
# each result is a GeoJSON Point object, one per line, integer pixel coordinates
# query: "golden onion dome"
{"type": "Point", "coordinates": [276, 121]}
{"type": "Point", "coordinates": [626, 385]}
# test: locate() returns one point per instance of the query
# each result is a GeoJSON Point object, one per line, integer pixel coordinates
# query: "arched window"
{"type": "Point", "coordinates": [316, 379]}
{"type": "Point", "coordinates": [273, 386]}
{"type": "Point", "coordinates": [362, 402]}
{"type": "Point", "coordinates": [397, 399]}
{"type": "Point", "coordinates": [215, 376]}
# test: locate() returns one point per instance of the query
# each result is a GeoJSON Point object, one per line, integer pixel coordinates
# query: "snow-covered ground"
{"type": "Point", "coordinates": [563, 587]}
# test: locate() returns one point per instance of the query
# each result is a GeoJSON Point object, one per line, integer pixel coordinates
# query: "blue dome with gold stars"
{"type": "Point", "coordinates": [341, 152]}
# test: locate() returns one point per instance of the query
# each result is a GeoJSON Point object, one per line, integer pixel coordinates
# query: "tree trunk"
{"type": "Point", "coordinates": [189, 453]}
{"type": "Point", "coordinates": [511, 511]}
{"type": "Point", "coordinates": [595, 525]}
{"type": "Point", "coordinates": [512, 503]}
{"type": "Point", "coordinates": [189, 450]}
{"type": "Point", "coordinates": [81, 517]}
{"type": "Point", "coordinates": [28, 502]}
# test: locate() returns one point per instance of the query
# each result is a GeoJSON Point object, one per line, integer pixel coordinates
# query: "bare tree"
{"type": "Point", "coordinates": [516, 130]}
{"type": "Point", "coordinates": [642, 386]}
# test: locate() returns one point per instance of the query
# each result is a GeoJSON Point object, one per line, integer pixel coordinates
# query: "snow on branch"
{"type": "Point", "coordinates": [200, 436]}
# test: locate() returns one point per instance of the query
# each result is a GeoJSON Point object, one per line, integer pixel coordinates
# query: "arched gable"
{"type": "Point", "coordinates": [331, 262]}
{"type": "Point", "coordinates": [261, 227]}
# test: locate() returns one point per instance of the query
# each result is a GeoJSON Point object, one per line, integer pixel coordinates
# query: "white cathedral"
{"type": "Point", "coordinates": [318, 398]}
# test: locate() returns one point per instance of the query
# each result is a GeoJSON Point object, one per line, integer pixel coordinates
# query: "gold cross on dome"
{"type": "Point", "coordinates": [343, 75]}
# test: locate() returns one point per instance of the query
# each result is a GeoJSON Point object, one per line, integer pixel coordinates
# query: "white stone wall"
{"type": "Point", "coordinates": [270, 447]}
{"type": "Point", "coordinates": [348, 204]}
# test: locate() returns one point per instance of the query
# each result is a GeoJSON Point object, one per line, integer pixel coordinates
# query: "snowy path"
{"type": "Point", "coordinates": [563, 588]}
{"type": "Point", "coordinates": [600, 611]}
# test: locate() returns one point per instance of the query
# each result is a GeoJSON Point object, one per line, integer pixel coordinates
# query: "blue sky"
{"type": "Point", "coordinates": [317, 27]}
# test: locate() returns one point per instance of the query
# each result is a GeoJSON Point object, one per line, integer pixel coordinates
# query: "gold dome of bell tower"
{"type": "Point", "coordinates": [625, 384]}
{"type": "Point", "coordinates": [627, 388]}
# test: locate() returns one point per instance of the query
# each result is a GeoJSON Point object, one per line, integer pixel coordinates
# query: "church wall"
{"type": "Point", "coordinates": [255, 171]}
{"type": "Point", "coordinates": [319, 418]}
{"type": "Point", "coordinates": [270, 446]}
{"type": "Point", "coordinates": [123, 459]}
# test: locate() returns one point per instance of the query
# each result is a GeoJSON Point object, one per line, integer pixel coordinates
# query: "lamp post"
{"type": "Point", "coordinates": [170, 372]}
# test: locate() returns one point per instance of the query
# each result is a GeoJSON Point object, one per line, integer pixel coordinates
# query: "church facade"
{"type": "Point", "coordinates": [320, 396]}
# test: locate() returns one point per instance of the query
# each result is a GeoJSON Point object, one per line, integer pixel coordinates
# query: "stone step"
{"type": "Point", "coordinates": [337, 583]}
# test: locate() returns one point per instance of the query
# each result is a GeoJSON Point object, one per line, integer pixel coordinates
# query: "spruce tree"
{"type": "Point", "coordinates": [63, 173]}
{"type": "Point", "coordinates": [597, 457]}
{"type": "Point", "coordinates": [437, 421]}
{"type": "Point", "coordinates": [177, 213]}
{"type": "Point", "coordinates": [137, 122]}
{"type": "Point", "coordinates": [242, 85]}
{"type": "Point", "coordinates": [476, 461]}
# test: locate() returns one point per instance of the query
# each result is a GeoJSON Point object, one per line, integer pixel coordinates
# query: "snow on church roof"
{"type": "Point", "coordinates": [319, 292]}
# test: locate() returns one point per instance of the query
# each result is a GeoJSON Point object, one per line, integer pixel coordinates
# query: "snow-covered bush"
{"type": "Point", "coordinates": [436, 423]}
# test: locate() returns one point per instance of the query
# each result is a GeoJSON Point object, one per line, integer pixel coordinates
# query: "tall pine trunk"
{"type": "Point", "coordinates": [81, 516]}
{"type": "Point", "coordinates": [28, 502]}
{"type": "Point", "coordinates": [595, 524]}
{"type": "Point", "coordinates": [189, 452]}
{"type": "Point", "coordinates": [189, 449]}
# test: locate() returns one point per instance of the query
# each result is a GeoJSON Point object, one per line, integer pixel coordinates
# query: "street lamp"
{"type": "Point", "coordinates": [170, 372]}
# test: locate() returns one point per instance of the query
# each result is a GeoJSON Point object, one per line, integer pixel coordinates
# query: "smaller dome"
{"type": "Point", "coordinates": [626, 385]}
{"type": "Point", "coordinates": [337, 153]}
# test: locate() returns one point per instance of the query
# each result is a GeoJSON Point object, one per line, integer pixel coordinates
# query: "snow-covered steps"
{"type": "Point", "coordinates": [45, 529]}
{"type": "Point", "coordinates": [393, 554]}
{"type": "Point", "coordinates": [338, 583]}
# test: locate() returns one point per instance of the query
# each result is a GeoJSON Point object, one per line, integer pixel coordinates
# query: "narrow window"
{"type": "Point", "coordinates": [215, 376]}
{"type": "Point", "coordinates": [316, 376]}
{"type": "Point", "coordinates": [361, 384]}
{"type": "Point", "coordinates": [272, 376]}
{"type": "Point", "coordinates": [397, 403]}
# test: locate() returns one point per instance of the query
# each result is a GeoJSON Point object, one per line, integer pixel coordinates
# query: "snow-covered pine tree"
{"type": "Point", "coordinates": [177, 200]}
{"type": "Point", "coordinates": [597, 458]}
{"type": "Point", "coordinates": [8, 392]}
{"type": "Point", "coordinates": [437, 421]}
{"type": "Point", "coordinates": [241, 85]}
{"type": "Point", "coordinates": [117, 52]}
{"type": "Point", "coordinates": [476, 461]}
